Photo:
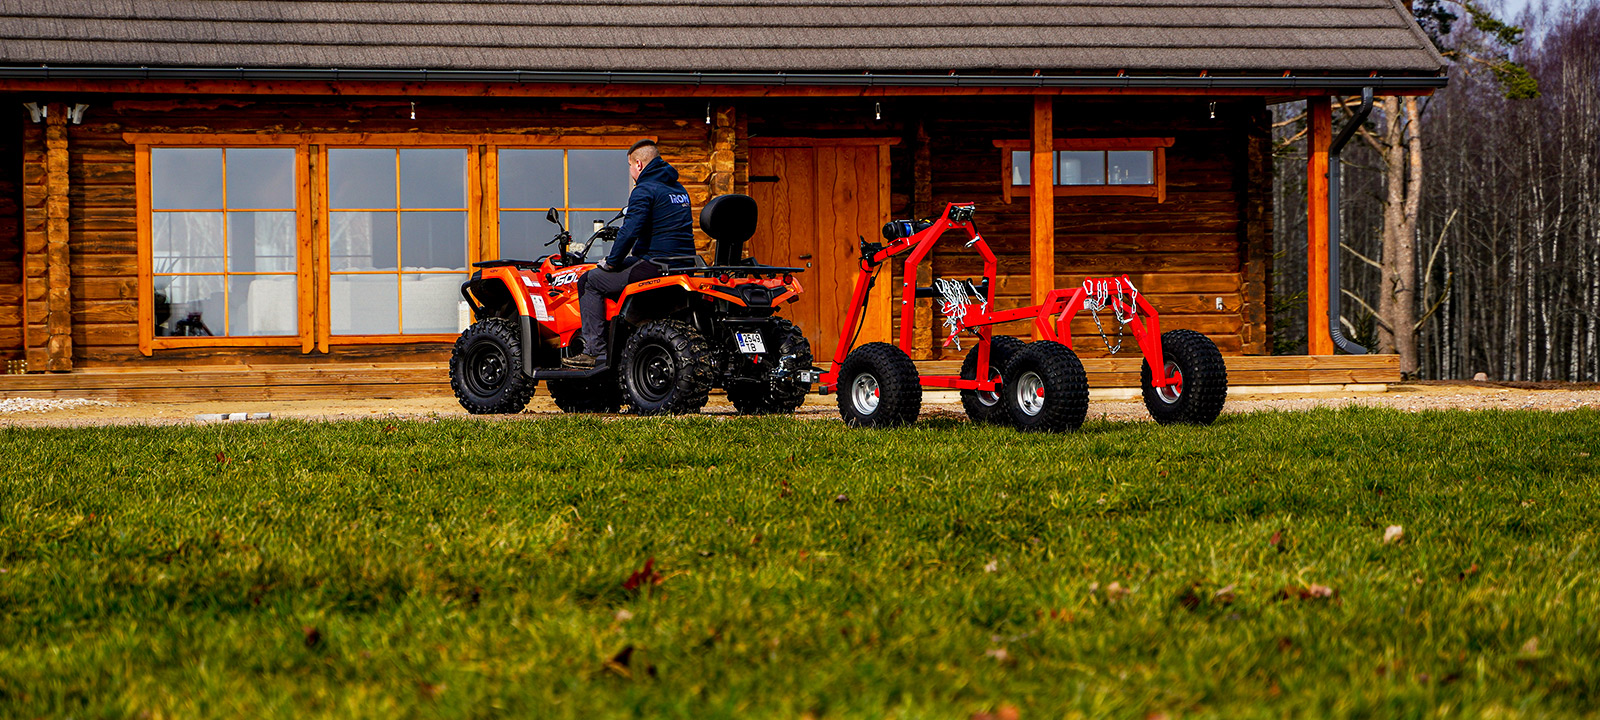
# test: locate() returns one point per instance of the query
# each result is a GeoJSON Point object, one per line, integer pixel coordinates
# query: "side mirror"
{"type": "Point", "coordinates": [554, 217]}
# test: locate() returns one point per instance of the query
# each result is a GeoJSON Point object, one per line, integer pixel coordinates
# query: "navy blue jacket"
{"type": "Point", "coordinates": [659, 221]}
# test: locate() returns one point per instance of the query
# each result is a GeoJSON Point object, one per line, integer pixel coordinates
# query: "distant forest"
{"type": "Point", "coordinates": [1497, 270]}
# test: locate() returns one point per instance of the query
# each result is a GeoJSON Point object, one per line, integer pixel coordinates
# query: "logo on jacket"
{"type": "Point", "coordinates": [679, 198]}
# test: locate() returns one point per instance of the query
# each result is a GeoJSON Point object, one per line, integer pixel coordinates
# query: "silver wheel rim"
{"type": "Point", "coordinates": [1171, 393]}
{"type": "Point", "coordinates": [1030, 393]}
{"type": "Point", "coordinates": [990, 398]}
{"type": "Point", "coordinates": [864, 394]}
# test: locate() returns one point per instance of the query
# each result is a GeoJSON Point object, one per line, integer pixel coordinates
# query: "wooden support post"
{"type": "Point", "coordinates": [1042, 246]}
{"type": "Point", "coordinates": [59, 275]}
{"type": "Point", "coordinates": [1255, 248]}
{"type": "Point", "coordinates": [922, 207]}
{"type": "Point", "coordinates": [1320, 111]}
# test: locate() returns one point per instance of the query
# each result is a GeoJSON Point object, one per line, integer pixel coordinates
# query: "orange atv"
{"type": "Point", "coordinates": [673, 337]}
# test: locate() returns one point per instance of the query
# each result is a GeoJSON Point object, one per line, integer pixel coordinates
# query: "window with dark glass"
{"type": "Point", "coordinates": [223, 241]}
{"type": "Point", "coordinates": [397, 239]}
{"type": "Point", "coordinates": [588, 187]}
{"type": "Point", "coordinates": [1090, 167]}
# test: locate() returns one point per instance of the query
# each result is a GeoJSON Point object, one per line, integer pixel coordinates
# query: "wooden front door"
{"type": "Point", "coordinates": [817, 202]}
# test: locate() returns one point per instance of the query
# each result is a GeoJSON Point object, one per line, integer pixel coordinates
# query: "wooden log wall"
{"type": "Point", "coordinates": [1205, 243]}
{"type": "Point", "coordinates": [11, 122]}
{"type": "Point", "coordinates": [100, 171]}
{"type": "Point", "coordinates": [1210, 240]}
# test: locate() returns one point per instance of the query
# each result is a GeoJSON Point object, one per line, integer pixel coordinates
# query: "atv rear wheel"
{"type": "Point", "coordinates": [774, 396]}
{"type": "Point", "coordinates": [486, 369]}
{"type": "Point", "coordinates": [666, 369]}
{"type": "Point", "coordinates": [1194, 361]}
{"type": "Point", "coordinates": [1046, 389]}
{"type": "Point", "coordinates": [981, 406]}
{"type": "Point", "coordinates": [879, 387]}
{"type": "Point", "coordinates": [598, 394]}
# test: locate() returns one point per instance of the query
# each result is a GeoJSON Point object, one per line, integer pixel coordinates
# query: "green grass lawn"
{"type": "Point", "coordinates": [459, 568]}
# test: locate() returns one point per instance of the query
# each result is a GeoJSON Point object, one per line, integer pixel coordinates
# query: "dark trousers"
{"type": "Point", "coordinates": [595, 286]}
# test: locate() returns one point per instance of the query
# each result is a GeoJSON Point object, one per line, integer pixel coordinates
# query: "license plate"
{"type": "Point", "coordinates": [750, 343]}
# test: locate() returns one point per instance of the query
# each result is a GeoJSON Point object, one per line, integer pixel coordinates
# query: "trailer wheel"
{"type": "Point", "coordinates": [1202, 387]}
{"type": "Point", "coordinates": [486, 369]}
{"type": "Point", "coordinates": [985, 407]}
{"type": "Point", "coordinates": [879, 387]}
{"type": "Point", "coordinates": [598, 394]}
{"type": "Point", "coordinates": [666, 369]}
{"type": "Point", "coordinates": [777, 396]}
{"type": "Point", "coordinates": [1046, 389]}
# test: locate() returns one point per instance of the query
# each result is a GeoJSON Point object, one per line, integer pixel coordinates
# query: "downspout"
{"type": "Point", "coordinates": [1335, 240]}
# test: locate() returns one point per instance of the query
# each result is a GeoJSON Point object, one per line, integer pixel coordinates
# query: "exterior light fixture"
{"type": "Point", "coordinates": [877, 111]}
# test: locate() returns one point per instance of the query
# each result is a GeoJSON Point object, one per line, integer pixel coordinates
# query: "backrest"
{"type": "Point", "coordinates": [730, 220]}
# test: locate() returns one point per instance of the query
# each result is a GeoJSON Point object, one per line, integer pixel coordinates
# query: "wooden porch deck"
{"type": "Point", "coordinates": [415, 380]}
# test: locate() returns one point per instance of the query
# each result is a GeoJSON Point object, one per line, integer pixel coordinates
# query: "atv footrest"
{"type": "Point", "coordinates": [567, 373]}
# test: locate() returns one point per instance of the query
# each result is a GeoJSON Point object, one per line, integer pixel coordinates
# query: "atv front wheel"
{"type": "Point", "coordinates": [1046, 389]}
{"type": "Point", "coordinates": [598, 394]}
{"type": "Point", "coordinates": [776, 396]}
{"type": "Point", "coordinates": [1193, 360]}
{"type": "Point", "coordinates": [486, 369]}
{"type": "Point", "coordinates": [879, 387]}
{"type": "Point", "coordinates": [666, 369]}
{"type": "Point", "coordinates": [981, 406]}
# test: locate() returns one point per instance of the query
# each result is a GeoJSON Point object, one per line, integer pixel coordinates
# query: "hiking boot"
{"type": "Point", "coordinates": [583, 361]}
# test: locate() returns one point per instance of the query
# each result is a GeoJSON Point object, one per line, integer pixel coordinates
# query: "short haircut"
{"type": "Point", "coordinates": [646, 146]}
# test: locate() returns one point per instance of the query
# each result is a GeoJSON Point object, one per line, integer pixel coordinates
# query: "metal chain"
{"type": "Point", "coordinates": [954, 307]}
{"type": "Point", "coordinates": [1098, 294]}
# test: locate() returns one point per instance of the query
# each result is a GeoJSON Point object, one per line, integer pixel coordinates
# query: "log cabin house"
{"type": "Point", "coordinates": [277, 200]}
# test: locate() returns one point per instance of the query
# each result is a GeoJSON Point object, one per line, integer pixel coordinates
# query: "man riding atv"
{"type": "Point", "coordinates": [684, 328]}
{"type": "Point", "coordinates": [659, 224]}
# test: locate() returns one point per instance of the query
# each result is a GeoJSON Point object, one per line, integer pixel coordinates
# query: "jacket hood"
{"type": "Point", "coordinates": [657, 171]}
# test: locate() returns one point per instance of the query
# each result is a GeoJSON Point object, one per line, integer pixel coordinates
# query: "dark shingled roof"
{"type": "Point", "coordinates": [928, 36]}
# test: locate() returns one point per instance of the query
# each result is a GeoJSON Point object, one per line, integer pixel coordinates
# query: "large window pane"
{"type": "Point", "coordinates": [531, 179]}
{"type": "Point", "coordinates": [186, 178]}
{"type": "Point", "coordinates": [186, 242]}
{"type": "Point", "coordinates": [190, 306]}
{"type": "Point", "coordinates": [362, 241]}
{"type": "Point", "coordinates": [433, 240]}
{"type": "Point", "coordinates": [361, 179]}
{"type": "Point", "coordinates": [433, 178]}
{"type": "Point", "coordinates": [262, 305]}
{"type": "Point", "coordinates": [430, 303]}
{"type": "Point", "coordinates": [1132, 167]}
{"type": "Point", "coordinates": [597, 178]}
{"type": "Point", "coordinates": [364, 304]}
{"type": "Point", "coordinates": [261, 242]}
{"type": "Point", "coordinates": [260, 178]}
{"type": "Point", "coordinates": [1080, 168]}
{"type": "Point", "coordinates": [1021, 167]}
{"type": "Point", "coordinates": [523, 235]}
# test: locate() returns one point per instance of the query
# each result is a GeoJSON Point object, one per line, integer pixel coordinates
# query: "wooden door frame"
{"type": "Point", "coordinates": [878, 322]}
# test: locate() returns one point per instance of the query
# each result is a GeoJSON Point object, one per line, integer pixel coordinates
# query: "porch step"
{"type": "Point", "coordinates": [379, 381]}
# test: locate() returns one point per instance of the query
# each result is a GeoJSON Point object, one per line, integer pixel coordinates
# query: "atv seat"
{"type": "Point", "coordinates": [730, 220]}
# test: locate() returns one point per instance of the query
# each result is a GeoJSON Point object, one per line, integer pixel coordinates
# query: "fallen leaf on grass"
{"type": "Point", "coordinates": [428, 690]}
{"type": "Point", "coordinates": [1224, 596]}
{"type": "Point", "coordinates": [620, 662]}
{"type": "Point", "coordinates": [1469, 572]}
{"type": "Point", "coordinates": [222, 458]}
{"type": "Point", "coordinates": [313, 636]}
{"type": "Point", "coordinates": [999, 654]}
{"type": "Point", "coordinates": [1393, 534]}
{"type": "Point", "coordinates": [842, 499]}
{"type": "Point", "coordinates": [783, 486]}
{"type": "Point", "coordinates": [1006, 711]}
{"type": "Point", "coordinates": [624, 616]}
{"type": "Point", "coordinates": [993, 566]}
{"type": "Point", "coordinates": [646, 576]}
{"type": "Point", "coordinates": [1308, 592]}
{"type": "Point", "coordinates": [1276, 540]}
